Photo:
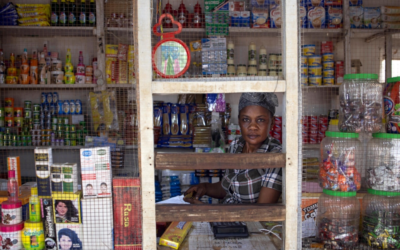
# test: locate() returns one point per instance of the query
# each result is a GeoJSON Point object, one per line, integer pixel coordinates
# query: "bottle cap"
{"type": "Point", "coordinates": [34, 191]}
{"type": "Point", "coordinates": [11, 174]}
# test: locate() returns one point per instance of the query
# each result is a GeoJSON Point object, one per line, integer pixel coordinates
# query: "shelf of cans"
{"type": "Point", "coordinates": [45, 124]}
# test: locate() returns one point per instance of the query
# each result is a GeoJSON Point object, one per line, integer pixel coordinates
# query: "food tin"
{"type": "Point", "coordinates": [73, 142]}
{"type": "Point", "coordinates": [67, 142]}
{"type": "Point", "coordinates": [314, 60]}
{"type": "Point", "coordinates": [18, 121]}
{"type": "Point", "coordinates": [36, 107]}
{"type": "Point", "coordinates": [328, 65]}
{"type": "Point", "coordinates": [36, 115]}
{"type": "Point", "coordinates": [18, 112]}
{"type": "Point", "coordinates": [308, 50]}
{"type": "Point", "coordinates": [2, 113]}
{"type": "Point", "coordinates": [11, 236]}
{"type": "Point", "coordinates": [9, 102]}
{"type": "Point", "coordinates": [328, 57]}
{"type": "Point", "coordinates": [9, 122]}
{"type": "Point", "coordinates": [328, 81]}
{"type": "Point", "coordinates": [304, 61]}
{"type": "Point", "coordinates": [27, 113]}
{"type": "Point", "coordinates": [9, 112]}
{"type": "Point", "coordinates": [304, 81]}
{"type": "Point", "coordinates": [314, 71]}
{"type": "Point", "coordinates": [315, 80]}
{"type": "Point", "coordinates": [72, 128]}
{"type": "Point", "coordinates": [66, 128]}
{"type": "Point", "coordinates": [304, 71]}
{"type": "Point", "coordinates": [328, 73]}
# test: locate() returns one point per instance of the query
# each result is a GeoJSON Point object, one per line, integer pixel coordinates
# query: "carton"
{"type": "Point", "coordinates": [175, 234]}
{"type": "Point", "coordinates": [43, 161]}
{"type": "Point", "coordinates": [260, 17]}
{"type": "Point", "coordinates": [303, 15]}
{"type": "Point", "coordinates": [334, 17]}
{"type": "Point", "coordinates": [372, 17]}
{"type": "Point", "coordinates": [13, 163]}
{"type": "Point", "coordinates": [355, 2]}
{"type": "Point", "coordinates": [66, 208]}
{"type": "Point", "coordinates": [275, 16]}
{"type": "Point", "coordinates": [103, 171]}
{"type": "Point", "coordinates": [97, 224]}
{"type": "Point", "coordinates": [316, 17]}
{"type": "Point", "coordinates": [339, 72]}
{"type": "Point", "coordinates": [49, 227]}
{"type": "Point", "coordinates": [356, 14]}
{"type": "Point", "coordinates": [69, 177]}
{"type": "Point", "coordinates": [72, 232]}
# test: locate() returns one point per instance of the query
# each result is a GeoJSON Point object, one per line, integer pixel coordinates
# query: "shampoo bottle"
{"type": "Point", "coordinates": [34, 206]}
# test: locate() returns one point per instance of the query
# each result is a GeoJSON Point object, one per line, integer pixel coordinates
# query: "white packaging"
{"type": "Point", "coordinates": [103, 181]}
{"type": "Point", "coordinates": [97, 224]}
{"type": "Point", "coordinates": [316, 17]}
{"type": "Point", "coordinates": [276, 16]}
{"type": "Point", "coordinates": [70, 177]}
{"type": "Point", "coordinates": [356, 14]}
{"type": "Point", "coordinates": [88, 173]}
{"type": "Point", "coordinates": [372, 17]}
{"type": "Point", "coordinates": [69, 236]}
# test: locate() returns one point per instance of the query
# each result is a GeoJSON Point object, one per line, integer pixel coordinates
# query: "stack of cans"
{"type": "Point", "coordinates": [322, 127]}
{"type": "Point", "coordinates": [276, 131]}
{"type": "Point", "coordinates": [314, 128]}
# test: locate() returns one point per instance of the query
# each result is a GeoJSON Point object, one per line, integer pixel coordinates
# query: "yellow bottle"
{"type": "Point", "coordinates": [34, 206]}
{"type": "Point", "coordinates": [68, 65]}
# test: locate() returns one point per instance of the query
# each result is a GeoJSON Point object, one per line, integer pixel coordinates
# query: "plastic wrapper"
{"type": "Point", "coordinates": [122, 72]}
{"type": "Point", "coordinates": [111, 69]}
{"type": "Point", "coordinates": [157, 116]}
{"type": "Point", "coordinates": [182, 99]}
{"type": "Point", "coordinates": [390, 10]}
{"type": "Point", "coordinates": [33, 12]}
{"type": "Point", "coordinates": [175, 141]}
{"type": "Point", "coordinates": [184, 119]}
{"type": "Point", "coordinates": [166, 126]}
{"type": "Point", "coordinates": [35, 24]}
{"type": "Point", "coordinates": [104, 110]}
{"type": "Point", "coordinates": [32, 6]}
{"type": "Point", "coordinates": [211, 101]}
{"type": "Point", "coordinates": [131, 54]}
{"type": "Point", "coordinates": [42, 18]}
{"type": "Point", "coordinates": [122, 52]}
{"type": "Point", "coordinates": [174, 119]}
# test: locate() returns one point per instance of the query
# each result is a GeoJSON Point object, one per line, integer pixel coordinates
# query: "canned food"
{"type": "Point", "coordinates": [328, 81]}
{"type": "Point", "coordinates": [60, 127]}
{"type": "Point", "coordinates": [54, 120]}
{"type": "Point", "coordinates": [315, 80]}
{"type": "Point", "coordinates": [66, 128]}
{"type": "Point", "coordinates": [67, 135]}
{"type": "Point", "coordinates": [6, 137]}
{"type": "Point", "coordinates": [328, 65]}
{"type": "Point", "coordinates": [314, 60]}
{"type": "Point", "coordinates": [18, 112]}
{"type": "Point", "coordinates": [78, 107]}
{"type": "Point", "coordinates": [85, 132]}
{"type": "Point", "coordinates": [52, 109]}
{"type": "Point", "coordinates": [2, 122]}
{"type": "Point", "coordinates": [67, 142]}
{"type": "Point", "coordinates": [304, 61]}
{"type": "Point", "coordinates": [36, 115]}
{"type": "Point", "coordinates": [314, 71]}
{"type": "Point", "coordinates": [72, 128]}
{"type": "Point", "coordinates": [37, 121]}
{"type": "Point", "coordinates": [328, 73]}
{"type": "Point", "coordinates": [7, 131]}
{"type": "Point", "coordinates": [9, 122]}
{"type": "Point", "coordinates": [79, 134]}
{"type": "Point", "coordinates": [2, 112]}
{"type": "Point", "coordinates": [49, 97]}
{"type": "Point", "coordinates": [7, 143]}
{"type": "Point", "coordinates": [24, 143]}
{"type": "Point", "coordinates": [304, 80]}
{"type": "Point", "coordinates": [9, 112]}
{"type": "Point", "coordinates": [1, 143]}
{"type": "Point", "coordinates": [36, 107]}
{"type": "Point", "coordinates": [328, 57]}
{"type": "Point", "coordinates": [82, 124]}
{"type": "Point", "coordinates": [9, 102]}
{"type": "Point", "coordinates": [72, 135]}
{"type": "Point", "coordinates": [60, 134]}
{"type": "Point", "coordinates": [27, 104]}
{"type": "Point", "coordinates": [308, 50]}
{"type": "Point", "coordinates": [73, 142]}
{"type": "Point", "coordinates": [45, 107]}
{"type": "Point", "coordinates": [18, 122]}
{"type": "Point", "coordinates": [65, 121]}
{"type": "Point", "coordinates": [304, 71]}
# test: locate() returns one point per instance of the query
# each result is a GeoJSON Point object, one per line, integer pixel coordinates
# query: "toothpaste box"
{"type": "Point", "coordinates": [43, 160]}
{"type": "Point", "coordinates": [356, 14]}
{"type": "Point", "coordinates": [275, 16]}
{"type": "Point", "coordinates": [316, 17]}
{"type": "Point", "coordinates": [49, 227]}
{"type": "Point", "coordinates": [372, 17]}
{"type": "Point", "coordinates": [97, 224]}
{"type": "Point", "coordinates": [71, 232]}
{"type": "Point", "coordinates": [334, 16]}
{"type": "Point", "coordinates": [13, 163]}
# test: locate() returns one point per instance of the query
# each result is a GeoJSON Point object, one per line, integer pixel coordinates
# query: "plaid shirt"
{"type": "Point", "coordinates": [244, 185]}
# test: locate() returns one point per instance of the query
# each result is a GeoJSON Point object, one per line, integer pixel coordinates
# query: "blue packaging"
{"type": "Point", "coordinates": [275, 16]}
{"type": "Point", "coordinates": [72, 107]}
{"type": "Point", "coordinates": [55, 97]}
{"type": "Point", "coordinates": [334, 17]}
{"type": "Point", "coordinates": [45, 107]}
{"type": "Point", "coordinates": [356, 14]}
{"type": "Point", "coordinates": [184, 119]}
{"type": "Point", "coordinates": [316, 17]}
{"type": "Point", "coordinates": [303, 15]}
{"type": "Point", "coordinates": [78, 107]}
{"type": "Point", "coordinates": [259, 3]}
{"type": "Point", "coordinates": [355, 2]}
{"type": "Point", "coordinates": [372, 17]}
{"type": "Point", "coordinates": [65, 107]}
{"type": "Point", "coordinates": [157, 111]}
{"type": "Point", "coordinates": [59, 108]}
{"type": "Point", "coordinates": [166, 127]}
{"type": "Point", "coordinates": [175, 121]}
{"type": "Point", "coordinates": [315, 3]}
{"type": "Point", "coordinates": [43, 98]}
{"type": "Point", "coordinates": [53, 109]}
{"type": "Point", "coordinates": [49, 97]}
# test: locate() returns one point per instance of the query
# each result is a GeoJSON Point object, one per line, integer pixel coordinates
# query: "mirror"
{"type": "Point", "coordinates": [171, 58]}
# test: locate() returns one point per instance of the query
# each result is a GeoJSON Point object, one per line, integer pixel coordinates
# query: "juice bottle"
{"type": "Point", "coordinates": [82, 13]}
{"type": "Point", "coordinates": [68, 65]}
{"type": "Point", "coordinates": [72, 13]}
{"type": "Point", "coordinates": [63, 13]}
{"type": "Point", "coordinates": [54, 13]}
{"type": "Point", "coordinates": [80, 69]}
{"type": "Point", "coordinates": [25, 65]}
{"type": "Point", "coordinates": [92, 13]}
{"type": "Point", "coordinates": [34, 206]}
{"type": "Point", "coordinates": [2, 68]}
{"type": "Point", "coordinates": [34, 71]}
{"type": "Point", "coordinates": [12, 71]}
{"type": "Point", "coordinates": [12, 186]}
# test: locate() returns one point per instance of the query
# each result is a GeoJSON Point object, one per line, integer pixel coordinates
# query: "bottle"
{"type": "Point", "coordinates": [68, 65]}
{"type": "Point", "coordinates": [54, 13]}
{"type": "Point", "coordinates": [95, 67]}
{"type": "Point", "coordinates": [12, 186]}
{"type": "Point", "coordinates": [63, 13]}
{"type": "Point", "coordinates": [80, 69]}
{"type": "Point", "coordinates": [197, 22]}
{"type": "Point", "coordinates": [72, 13]}
{"type": "Point", "coordinates": [2, 68]}
{"type": "Point", "coordinates": [25, 65]}
{"type": "Point", "coordinates": [252, 51]}
{"type": "Point", "coordinates": [92, 13]}
{"type": "Point", "coordinates": [167, 23]}
{"type": "Point", "coordinates": [263, 56]}
{"type": "Point", "coordinates": [34, 206]}
{"type": "Point", "coordinates": [34, 71]}
{"type": "Point", "coordinates": [182, 15]}
{"type": "Point", "coordinates": [12, 71]}
{"type": "Point", "coordinates": [82, 13]}
{"type": "Point", "coordinates": [231, 50]}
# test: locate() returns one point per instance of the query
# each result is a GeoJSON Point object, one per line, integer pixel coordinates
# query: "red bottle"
{"type": "Point", "coordinates": [183, 15]}
{"type": "Point", "coordinates": [167, 23]}
{"type": "Point", "coordinates": [197, 18]}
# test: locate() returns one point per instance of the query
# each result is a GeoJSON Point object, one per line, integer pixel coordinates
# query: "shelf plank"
{"type": "Point", "coordinates": [33, 147]}
{"type": "Point", "coordinates": [48, 86]}
{"type": "Point", "coordinates": [186, 161]}
{"type": "Point", "coordinates": [47, 31]}
{"type": "Point", "coordinates": [321, 87]}
{"type": "Point", "coordinates": [201, 86]}
{"type": "Point", "coordinates": [220, 213]}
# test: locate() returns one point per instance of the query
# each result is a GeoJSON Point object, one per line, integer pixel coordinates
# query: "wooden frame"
{"type": "Point", "coordinates": [290, 87]}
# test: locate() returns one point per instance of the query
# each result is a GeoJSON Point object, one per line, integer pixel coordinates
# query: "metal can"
{"type": "Point", "coordinates": [55, 97]}
{"type": "Point", "coordinates": [72, 135]}
{"type": "Point", "coordinates": [60, 127]}
{"type": "Point", "coordinates": [27, 104]}
{"type": "Point", "coordinates": [66, 128]}
{"type": "Point", "coordinates": [73, 142]}
{"type": "Point", "coordinates": [85, 132]}
{"type": "Point", "coordinates": [6, 137]}
{"type": "Point", "coordinates": [54, 120]}
{"type": "Point", "coordinates": [43, 98]}
{"type": "Point", "coordinates": [7, 131]}
{"type": "Point", "coordinates": [67, 135]}
{"type": "Point", "coordinates": [1, 143]}
{"type": "Point", "coordinates": [82, 124]}
{"type": "Point", "coordinates": [2, 113]}
{"type": "Point", "coordinates": [79, 134]}
{"type": "Point", "coordinates": [7, 143]}
{"type": "Point", "coordinates": [67, 142]}
{"type": "Point", "coordinates": [65, 121]}
{"type": "Point", "coordinates": [36, 107]}
{"type": "Point", "coordinates": [72, 128]}
{"type": "Point", "coordinates": [60, 134]}
{"type": "Point", "coordinates": [36, 115]}
{"type": "Point", "coordinates": [9, 122]}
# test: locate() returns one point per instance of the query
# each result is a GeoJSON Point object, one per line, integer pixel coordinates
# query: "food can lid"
{"type": "Point", "coordinates": [383, 193]}
{"type": "Point", "coordinates": [11, 204]}
{"type": "Point", "coordinates": [11, 228]}
{"type": "Point", "coordinates": [393, 79]}
{"type": "Point", "coordinates": [386, 136]}
{"type": "Point", "coordinates": [341, 134]}
{"type": "Point", "coordinates": [339, 193]}
{"type": "Point", "coordinates": [360, 76]}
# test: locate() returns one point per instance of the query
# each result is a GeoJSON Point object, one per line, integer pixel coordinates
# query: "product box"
{"type": "Point", "coordinates": [372, 17]}
{"type": "Point", "coordinates": [49, 227]}
{"type": "Point", "coordinates": [43, 160]}
{"type": "Point", "coordinates": [56, 177]}
{"type": "Point", "coordinates": [275, 16]}
{"type": "Point", "coordinates": [303, 15]}
{"type": "Point", "coordinates": [355, 3]}
{"type": "Point", "coordinates": [315, 3]}
{"type": "Point", "coordinates": [70, 236]}
{"type": "Point", "coordinates": [69, 177]}
{"type": "Point", "coordinates": [97, 223]}
{"type": "Point", "coordinates": [127, 214]}
{"type": "Point", "coordinates": [259, 3]}
{"type": "Point", "coordinates": [316, 17]}
{"type": "Point", "coordinates": [326, 47]}
{"type": "Point", "coordinates": [13, 163]}
{"type": "Point", "coordinates": [356, 14]}
{"type": "Point", "coordinates": [260, 17]}
{"type": "Point", "coordinates": [175, 234]}
{"type": "Point", "coordinates": [334, 16]}
{"type": "Point", "coordinates": [339, 72]}
{"type": "Point", "coordinates": [209, 5]}
{"type": "Point", "coordinates": [103, 171]}
{"type": "Point", "coordinates": [309, 209]}
{"type": "Point", "coordinates": [67, 208]}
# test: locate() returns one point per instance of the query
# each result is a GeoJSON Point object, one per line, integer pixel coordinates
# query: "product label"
{"type": "Point", "coordinates": [92, 17]}
{"type": "Point", "coordinates": [316, 17]}
{"type": "Point", "coordinates": [54, 18]}
{"type": "Point", "coordinates": [11, 216]}
{"type": "Point", "coordinates": [71, 18]}
{"type": "Point", "coordinates": [42, 157]}
{"type": "Point", "coordinates": [82, 18]}
{"type": "Point", "coordinates": [63, 18]}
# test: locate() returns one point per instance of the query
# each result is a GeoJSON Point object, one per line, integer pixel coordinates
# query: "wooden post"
{"type": "Point", "coordinates": [347, 36]}
{"type": "Point", "coordinates": [101, 56]}
{"type": "Point", "coordinates": [291, 119]}
{"type": "Point", "coordinates": [145, 114]}
{"type": "Point", "coordinates": [388, 56]}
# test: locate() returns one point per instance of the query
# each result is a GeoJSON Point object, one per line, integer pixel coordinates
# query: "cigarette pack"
{"type": "Point", "coordinates": [49, 227]}
{"type": "Point", "coordinates": [175, 234]}
{"type": "Point", "coordinates": [97, 223]}
{"type": "Point", "coordinates": [70, 236]}
{"type": "Point", "coordinates": [67, 208]}
{"type": "Point", "coordinates": [14, 164]}
{"type": "Point", "coordinates": [43, 161]}
{"type": "Point", "coordinates": [70, 177]}
{"type": "Point", "coordinates": [127, 214]}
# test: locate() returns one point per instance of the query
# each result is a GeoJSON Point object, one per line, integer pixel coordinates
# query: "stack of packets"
{"type": "Point", "coordinates": [383, 17]}
{"type": "Point", "coordinates": [175, 234]}
{"type": "Point", "coordinates": [170, 186]}
{"type": "Point", "coordinates": [120, 67]}
{"type": "Point", "coordinates": [8, 15]}
{"type": "Point", "coordinates": [33, 14]}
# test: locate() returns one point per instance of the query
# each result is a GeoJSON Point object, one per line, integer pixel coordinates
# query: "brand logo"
{"type": "Point", "coordinates": [101, 152]}
{"type": "Point", "coordinates": [276, 12]}
{"type": "Point", "coordinates": [181, 224]}
{"type": "Point", "coordinates": [87, 153]}
{"type": "Point", "coordinates": [389, 105]}
{"type": "Point", "coordinates": [310, 211]}
{"type": "Point", "coordinates": [127, 209]}
{"type": "Point", "coordinates": [333, 11]}
{"type": "Point", "coordinates": [316, 12]}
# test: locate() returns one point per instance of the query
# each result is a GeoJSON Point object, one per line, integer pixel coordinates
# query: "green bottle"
{"type": "Point", "coordinates": [63, 16]}
{"type": "Point", "coordinates": [34, 206]}
{"type": "Point", "coordinates": [82, 13]}
{"type": "Point", "coordinates": [54, 12]}
{"type": "Point", "coordinates": [92, 13]}
{"type": "Point", "coordinates": [72, 13]}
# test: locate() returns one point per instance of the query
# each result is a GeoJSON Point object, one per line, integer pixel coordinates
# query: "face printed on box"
{"type": "Point", "coordinates": [65, 242]}
{"type": "Point", "coordinates": [89, 190]}
{"type": "Point", "coordinates": [103, 188]}
{"type": "Point", "coordinates": [62, 209]}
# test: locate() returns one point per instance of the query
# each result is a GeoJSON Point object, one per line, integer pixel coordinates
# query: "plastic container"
{"type": "Point", "coordinates": [381, 219]}
{"type": "Point", "coordinates": [334, 125]}
{"type": "Point", "coordinates": [33, 235]}
{"type": "Point", "coordinates": [361, 103]}
{"type": "Point", "coordinates": [338, 219]}
{"type": "Point", "coordinates": [340, 162]}
{"type": "Point", "coordinates": [383, 157]}
{"type": "Point", "coordinates": [12, 234]}
{"type": "Point", "coordinates": [391, 101]}
{"type": "Point", "coordinates": [11, 212]}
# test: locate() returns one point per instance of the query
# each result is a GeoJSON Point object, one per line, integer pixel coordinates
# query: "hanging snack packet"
{"type": "Point", "coordinates": [35, 19]}
{"type": "Point", "coordinates": [174, 119]}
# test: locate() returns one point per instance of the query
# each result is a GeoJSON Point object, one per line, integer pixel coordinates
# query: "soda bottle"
{"type": "Point", "coordinates": [92, 13]}
{"type": "Point", "coordinates": [82, 13]}
{"type": "Point", "coordinates": [63, 13]}
{"type": "Point", "coordinates": [54, 12]}
{"type": "Point", "coordinates": [72, 13]}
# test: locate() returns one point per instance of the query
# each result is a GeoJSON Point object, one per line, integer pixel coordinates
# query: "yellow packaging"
{"type": "Point", "coordinates": [33, 12]}
{"type": "Point", "coordinates": [35, 19]}
{"type": "Point", "coordinates": [13, 163]}
{"type": "Point", "coordinates": [175, 234]}
{"type": "Point", "coordinates": [131, 53]}
{"type": "Point", "coordinates": [111, 70]}
{"type": "Point", "coordinates": [122, 72]}
{"type": "Point", "coordinates": [131, 72]}
{"type": "Point", "coordinates": [195, 46]}
{"type": "Point", "coordinates": [36, 24]}
{"type": "Point", "coordinates": [315, 80]}
{"type": "Point", "coordinates": [32, 6]}
{"type": "Point", "coordinates": [112, 50]}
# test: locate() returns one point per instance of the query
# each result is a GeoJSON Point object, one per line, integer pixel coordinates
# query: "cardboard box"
{"type": "Point", "coordinates": [127, 214]}
{"type": "Point", "coordinates": [56, 177]}
{"type": "Point", "coordinates": [175, 234]}
{"type": "Point", "coordinates": [49, 227]}
{"type": "Point", "coordinates": [13, 163]}
{"type": "Point", "coordinates": [97, 224]}
{"type": "Point", "coordinates": [67, 208]}
{"type": "Point", "coordinates": [43, 161]}
{"type": "Point", "coordinates": [103, 171]}
{"type": "Point", "coordinates": [72, 234]}
{"type": "Point", "coordinates": [70, 177]}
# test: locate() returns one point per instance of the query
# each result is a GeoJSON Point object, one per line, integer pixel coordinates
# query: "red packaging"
{"type": "Point", "coordinates": [313, 119]}
{"type": "Point", "coordinates": [321, 135]}
{"type": "Point", "coordinates": [333, 2]}
{"type": "Point", "coordinates": [323, 128]}
{"type": "Point", "coordinates": [339, 72]}
{"type": "Point", "coordinates": [313, 132]}
{"type": "Point", "coordinates": [323, 119]}
{"type": "Point", "coordinates": [277, 135]}
{"type": "Point", "coordinates": [304, 120]}
{"type": "Point", "coordinates": [305, 127]}
{"type": "Point", "coordinates": [313, 127]}
{"type": "Point", "coordinates": [313, 139]}
{"type": "Point", "coordinates": [326, 47]}
{"type": "Point", "coordinates": [277, 128]}
{"type": "Point", "coordinates": [127, 214]}
{"type": "Point", "coordinates": [278, 120]}
{"type": "Point", "coordinates": [306, 139]}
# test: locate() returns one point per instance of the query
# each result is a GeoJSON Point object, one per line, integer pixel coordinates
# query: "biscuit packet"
{"type": "Point", "coordinates": [175, 234]}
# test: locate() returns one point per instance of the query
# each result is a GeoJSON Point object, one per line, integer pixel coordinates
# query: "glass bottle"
{"type": "Point", "coordinates": [54, 12]}
{"type": "Point", "coordinates": [82, 13]}
{"type": "Point", "coordinates": [63, 13]}
{"type": "Point", "coordinates": [72, 13]}
{"type": "Point", "coordinates": [92, 13]}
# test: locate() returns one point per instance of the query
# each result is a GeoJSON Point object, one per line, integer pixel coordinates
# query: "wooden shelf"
{"type": "Point", "coordinates": [33, 147]}
{"type": "Point", "coordinates": [223, 212]}
{"type": "Point", "coordinates": [223, 86]}
{"type": "Point", "coordinates": [118, 29]}
{"type": "Point", "coordinates": [321, 87]}
{"type": "Point", "coordinates": [48, 86]}
{"type": "Point", "coordinates": [122, 86]}
{"type": "Point", "coordinates": [311, 146]}
{"type": "Point", "coordinates": [189, 161]}
{"type": "Point", "coordinates": [47, 31]}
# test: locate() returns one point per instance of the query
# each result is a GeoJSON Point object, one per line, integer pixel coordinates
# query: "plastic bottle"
{"type": "Point", "coordinates": [183, 15]}
{"type": "Point", "coordinates": [82, 13]}
{"type": "Point", "coordinates": [25, 65]}
{"type": "Point", "coordinates": [2, 68]}
{"type": "Point", "coordinates": [34, 71]}
{"type": "Point", "coordinates": [80, 70]}
{"type": "Point", "coordinates": [54, 12]}
{"type": "Point", "coordinates": [63, 16]}
{"type": "Point", "coordinates": [92, 13]}
{"type": "Point", "coordinates": [95, 67]}
{"type": "Point", "coordinates": [72, 13]}
{"type": "Point", "coordinates": [68, 65]}
{"type": "Point", "coordinates": [12, 186]}
{"type": "Point", "coordinates": [263, 56]}
{"type": "Point", "coordinates": [34, 206]}
{"type": "Point", "coordinates": [252, 51]}
{"type": "Point", "coordinates": [231, 50]}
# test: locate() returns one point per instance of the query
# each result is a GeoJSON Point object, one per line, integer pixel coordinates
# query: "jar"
{"type": "Point", "coordinates": [241, 70]}
{"type": "Point", "coordinates": [338, 219]}
{"type": "Point", "coordinates": [252, 71]}
{"type": "Point", "coordinates": [383, 162]}
{"type": "Point", "coordinates": [391, 100]}
{"type": "Point", "coordinates": [361, 103]}
{"type": "Point", "coordinates": [231, 68]}
{"type": "Point", "coordinates": [381, 219]}
{"type": "Point", "coordinates": [262, 72]}
{"type": "Point", "coordinates": [33, 236]}
{"type": "Point", "coordinates": [340, 162]}
{"type": "Point", "coordinates": [12, 234]}
{"type": "Point", "coordinates": [11, 212]}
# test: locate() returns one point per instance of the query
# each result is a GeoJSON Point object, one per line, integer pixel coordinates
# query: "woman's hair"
{"type": "Point", "coordinates": [72, 235]}
{"type": "Point", "coordinates": [103, 183]}
{"type": "Point", "coordinates": [265, 100]}
{"type": "Point", "coordinates": [72, 211]}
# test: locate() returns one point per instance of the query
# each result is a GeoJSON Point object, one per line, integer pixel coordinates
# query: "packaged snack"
{"type": "Point", "coordinates": [122, 52]}
{"type": "Point", "coordinates": [260, 17]}
{"type": "Point", "coordinates": [131, 72]}
{"type": "Point", "coordinates": [33, 12]}
{"type": "Point", "coordinates": [122, 72]}
{"type": "Point", "coordinates": [372, 17]}
{"type": "Point", "coordinates": [303, 15]}
{"type": "Point", "coordinates": [111, 50]}
{"type": "Point", "coordinates": [390, 18]}
{"type": "Point", "coordinates": [42, 23]}
{"type": "Point", "coordinates": [356, 14]}
{"type": "Point", "coordinates": [316, 17]}
{"type": "Point", "coordinates": [390, 10]}
{"type": "Point", "coordinates": [175, 234]}
{"type": "Point", "coordinates": [184, 119]}
{"type": "Point", "coordinates": [166, 119]}
{"type": "Point", "coordinates": [32, 6]}
{"type": "Point", "coordinates": [174, 119]}
{"type": "Point", "coordinates": [111, 69]}
{"type": "Point", "coordinates": [334, 17]}
{"type": "Point", "coordinates": [35, 19]}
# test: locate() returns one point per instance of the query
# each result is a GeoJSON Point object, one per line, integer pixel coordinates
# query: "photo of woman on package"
{"type": "Point", "coordinates": [66, 212]}
{"type": "Point", "coordinates": [68, 240]}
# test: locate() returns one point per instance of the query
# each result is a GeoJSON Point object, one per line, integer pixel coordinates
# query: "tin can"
{"type": "Point", "coordinates": [43, 98]}
{"type": "Point", "coordinates": [315, 81]}
{"type": "Point", "coordinates": [85, 132]}
{"type": "Point", "coordinates": [60, 134]}
{"type": "Point", "coordinates": [79, 134]}
{"type": "Point", "coordinates": [72, 107]}
{"type": "Point", "coordinates": [314, 71]}
{"type": "Point", "coordinates": [9, 122]}
{"type": "Point", "coordinates": [72, 135]}
{"type": "Point", "coordinates": [67, 135]}
{"type": "Point", "coordinates": [18, 112]}
{"type": "Point", "coordinates": [328, 73]}
{"type": "Point", "coordinates": [328, 81]}
{"type": "Point", "coordinates": [308, 50]}
{"type": "Point", "coordinates": [9, 112]}
{"type": "Point", "coordinates": [314, 60]}
{"type": "Point", "coordinates": [36, 115]}
{"type": "Point", "coordinates": [328, 57]}
{"type": "Point", "coordinates": [36, 107]}
{"type": "Point", "coordinates": [18, 122]}
{"type": "Point", "coordinates": [55, 97]}
{"type": "Point", "coordinates": [66, 128]}
{"type": "Point", "coordinates": [82, 124]}
{"type": "Point", "coordinates": [328, 65]}
{"type": "Point", "coordinates": [60, 127]}
{"type": "Point", "coordinates": [72, 128]}
{"type": "Point", "coordinates": [9, 102]}
{"type": "Point", "coordinates": [313, 119]}
{"type": "Point", "coordinates": [73, 142]}
{"type": "Point", "coordinates": [2, 122]}
{"type": "Point", "coordinates": [65, 121]}
{"type": "Point", "coordinates": [304, 80]}
{"type": "Point", "coordinates": [67, 142]}
{"type": "Point", "coordinates": [1, 143]}
{"type": "Point", "coordinates": [59, 108]}
{"type": "Point", "coordinates": [54, 120]}
{"type": "Point", "coordinates": [7, 131]}
{"type": "Point", "coordinates": [304, 71]}
{"type": "Point", "coordinates": [304, 61]}
{"type": "Point", "coordinates": [7, 143]}
{"type": "Point", "coordinates": [323, 119]}
{"type": "Point", "coordinates": [27, 104]}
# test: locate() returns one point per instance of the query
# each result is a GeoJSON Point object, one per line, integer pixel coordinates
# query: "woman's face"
{"type": "Point", "coordinates": [255, 124]}
{"type": "Point", "coordinates": [103, 188]}
{"type": "Point", "coordinates": [62, 209]}
{"type": "Point", "coordinates": [65, 242]}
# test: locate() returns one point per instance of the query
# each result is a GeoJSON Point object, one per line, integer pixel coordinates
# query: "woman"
{"type": "Point", "coordinates": [256, 116]}
{"type": "Point", "coordinates": [66, 212]}
{"type": "Point", "coordinates": [68, 240]}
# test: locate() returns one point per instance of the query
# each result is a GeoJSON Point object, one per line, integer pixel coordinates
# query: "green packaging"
{"type": "Point", "coordinates": [34, 206]}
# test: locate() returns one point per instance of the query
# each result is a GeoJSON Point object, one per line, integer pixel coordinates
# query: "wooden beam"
{"type": "Point", "coordinates": [185, 161]}
{"type": "Point", "coordinates": [388, 55]}
{"type": "Point", "coordinates": [347, 51]}
{"type": "Point", "coordinates": [222, 212]}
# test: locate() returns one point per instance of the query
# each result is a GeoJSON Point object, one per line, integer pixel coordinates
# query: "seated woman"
{"type": "Point", "coordinates": [256, 117]}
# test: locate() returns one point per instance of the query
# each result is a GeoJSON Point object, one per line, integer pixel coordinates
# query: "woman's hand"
{"type": "Point", "coordinates": [198, 191]}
